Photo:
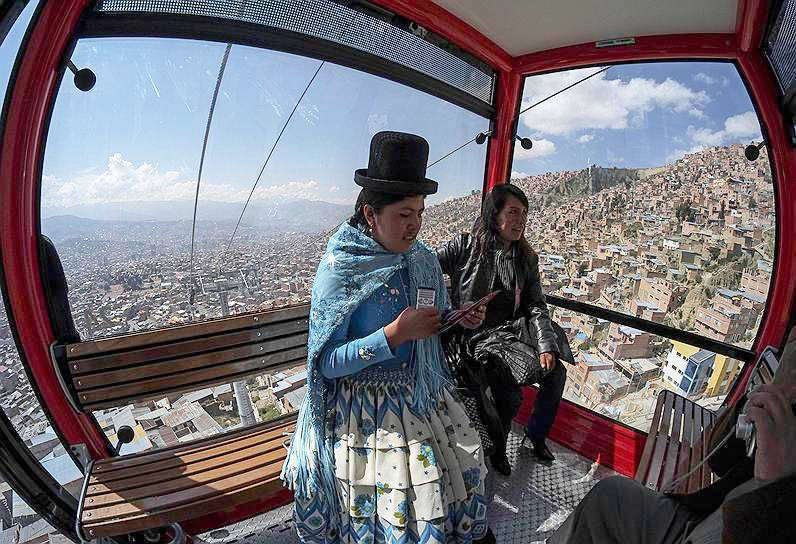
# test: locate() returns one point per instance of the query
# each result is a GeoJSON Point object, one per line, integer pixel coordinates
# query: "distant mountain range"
{"type": "Point", "coordinates": [298, 215]}
{"type": "Point", "coordinates": [134, 220]}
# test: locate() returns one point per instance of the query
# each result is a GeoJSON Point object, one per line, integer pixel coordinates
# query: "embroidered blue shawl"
{"type": "Point", "coordinates": [352, 268]}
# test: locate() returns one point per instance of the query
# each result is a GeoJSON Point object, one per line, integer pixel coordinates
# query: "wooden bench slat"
{"type": "Point", "coordinates": [189, 379]}
{"type": "Point", "coordinates": [205, 474]}
{"type": "Point", "coordinates": [100, 491]}
{"type": "Point", "coordinates": [704, 474]}
{"type": "Point", "coordinates": [676, 445]}
{"type": "Point", "coordinates": [646, 454]}
{"type": "Point", "coordinates": [225, 483]}
{"type": "Point", "coordinates": [661, 442]}
{"type": "Point", "coordinates": [138, 466]}
{"type": "Point", "coordinates": [114, 401]}
{"type": "Point", "coordinates": [690, 437]}
{"type": "Point", "coordinates": [193, 509]}
{"type": "Point", "coordinates": [185, 348]}
{"type": "Point", "coordinates": [149, 489]}
{"type": "Point", "coordinates": [172, 366]}
{"type": "Point", "coordinates": [682, 425]}
{"type": "Point", "coordinates": [193, 330]}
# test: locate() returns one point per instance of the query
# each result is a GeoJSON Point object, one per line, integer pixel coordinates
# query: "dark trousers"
{"type": "Point", "coordinates": [507, 399]}
{"type": "Point", "coordinates": [619, 510]}
{"type": "Point", "coordinates": [545, 408]}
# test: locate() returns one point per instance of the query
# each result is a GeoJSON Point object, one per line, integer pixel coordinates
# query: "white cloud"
{"type": "Point", "coordinates": [704, 78]}
{"type": "Point", "coordinates": [602, 103]}
{"type": "Point", "coordinates": [586, 138]}
{"type": "Point", "coordinates": [518, 175]}
{"type": "Point", "coordinates": [123, 181]}
{"type": "Point", "coordinates": [710, 80]}
{"type": "Point", "coordinates": [738, 128]}
{"type": "Point", "coordinates": [678, 154]}
{"type": "Point", "coordinates": [541, 148]}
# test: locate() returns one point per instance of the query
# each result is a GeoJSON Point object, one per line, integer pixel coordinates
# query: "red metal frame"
{"type": "Point", "coordinates": [501, 144]}
{"type": "Point", "coordinates": [23, 140]}
{"type": "Point", "coordinates": [239, 513]}
{"type": "Point", "coordinates": [781, 303]}
{"type": "Point", "coordinates": [750, 23]}
{"type": "Point", "coordinates": [453, 29]}
{"type": "Point", "coordinates": [593, 436]}
{"type": "Point", "coordinates": [663, 47]}
{"type": "Point", "coordinates": [35, 88]}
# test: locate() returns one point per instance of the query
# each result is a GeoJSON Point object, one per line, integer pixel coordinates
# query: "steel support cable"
{"type": "Point", "coordinates": [568, 87]}
{"type": "Point", "coordinates": [202, 161]}
{"type": "Point", "coordinates": [298, 102]}
{"type": "Point", "coordinates": [268, 158]}
{"type": "Point", "coordinates": [545, 99]}
{"type": "Point", "coordinates": [445, 156]}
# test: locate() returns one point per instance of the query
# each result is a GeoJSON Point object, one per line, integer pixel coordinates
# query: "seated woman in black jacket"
{"type": "Point", "coordinates": [516, 342]}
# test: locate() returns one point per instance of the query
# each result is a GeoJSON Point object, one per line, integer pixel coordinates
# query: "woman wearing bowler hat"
{"type": "Point", "coordinates": [382, 451]}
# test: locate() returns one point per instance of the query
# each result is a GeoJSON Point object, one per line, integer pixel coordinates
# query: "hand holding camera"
{"type": "Point", "coordinates": [771, 410]}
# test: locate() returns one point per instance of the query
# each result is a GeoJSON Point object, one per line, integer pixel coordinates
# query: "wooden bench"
{"type": "Point", "coordinates": [116, 371]}
{"type": "Point", "coordinates": [142, 491]}
{"type": "Point", "coordinates": [674, 441]}
{"type": "Point", "coordinates": [151, 489]}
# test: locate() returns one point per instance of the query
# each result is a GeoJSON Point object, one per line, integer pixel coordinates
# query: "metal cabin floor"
{"type": "Point", "coordinates": [527, 507]}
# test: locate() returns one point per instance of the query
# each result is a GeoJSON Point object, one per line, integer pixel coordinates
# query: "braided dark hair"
{"type": "Point", "coordinates": [377, 200]}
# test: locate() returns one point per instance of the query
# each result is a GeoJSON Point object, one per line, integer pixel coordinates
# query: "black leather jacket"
{"type": "Point", "coordinates": [472, 278]}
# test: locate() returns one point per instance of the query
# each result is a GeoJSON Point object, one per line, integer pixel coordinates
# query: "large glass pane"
{"type": "Point", "coordinates": [183, 417]}
{"type": "Point", "coordinates": [642, 199]}
{"type": "Point", "coordinates": [122, 163]}
{"type": "Point", "coordinates": [619, 371]}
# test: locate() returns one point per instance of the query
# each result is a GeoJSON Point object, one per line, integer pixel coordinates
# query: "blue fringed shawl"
{"type": "Point", "coordinates": [351, 269]}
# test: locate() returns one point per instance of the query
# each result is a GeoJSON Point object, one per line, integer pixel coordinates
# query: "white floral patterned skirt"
{"type": "Point", "coordinates": [403, 477]}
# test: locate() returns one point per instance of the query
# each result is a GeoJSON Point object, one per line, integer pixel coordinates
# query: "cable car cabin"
{"type": "Point", "coordinates": [171, 173]}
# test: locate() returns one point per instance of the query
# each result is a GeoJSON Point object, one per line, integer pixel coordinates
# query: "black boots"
{"type": "Point", "coordinates": [501, 463]}
{"type": "Point", "coordinates": [542, 452]}
{"type": "Point", "coordinates": [488, 538]}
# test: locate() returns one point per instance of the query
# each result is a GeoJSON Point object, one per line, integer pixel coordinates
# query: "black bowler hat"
{"type": "Point", "coordinates": [397, 165]}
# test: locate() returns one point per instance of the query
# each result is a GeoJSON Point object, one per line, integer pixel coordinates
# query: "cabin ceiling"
{"type": "Point", "coordinates": [526, 26]}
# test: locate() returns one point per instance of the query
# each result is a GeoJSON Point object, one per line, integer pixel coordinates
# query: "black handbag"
{"type": "Point", "coordinates": [473, 389]}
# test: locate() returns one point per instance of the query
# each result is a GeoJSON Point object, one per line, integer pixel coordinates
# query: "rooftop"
{"type": "Point", "coordinates": [701, 356]}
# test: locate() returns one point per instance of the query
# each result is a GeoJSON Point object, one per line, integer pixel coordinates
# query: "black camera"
{"type": "Point", "coordinates": [764, 371]}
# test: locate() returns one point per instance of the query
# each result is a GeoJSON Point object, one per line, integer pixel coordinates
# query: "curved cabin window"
{"type": "Point", "coordinates": [120, 178]}
{"type": "Point", "coordinates": [122, 163]}
{"type": "Point", "coordinates": [644, 203]}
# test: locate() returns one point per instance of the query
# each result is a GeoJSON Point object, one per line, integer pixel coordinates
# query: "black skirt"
{"type": "Point", "coordinates": [490, 367]}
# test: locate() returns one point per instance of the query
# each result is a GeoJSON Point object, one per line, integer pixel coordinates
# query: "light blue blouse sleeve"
{"type": "Point", "coordinates": [341, 357]}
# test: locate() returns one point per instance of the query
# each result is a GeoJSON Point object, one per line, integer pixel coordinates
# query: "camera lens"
{"type": "Point", "coordinates": [744, 428]}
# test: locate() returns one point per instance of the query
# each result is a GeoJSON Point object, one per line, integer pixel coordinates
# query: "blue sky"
{"type": "Point", "coordinates": [138, 134]}
{"type": "Point", "coordinates": [635, 115]}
